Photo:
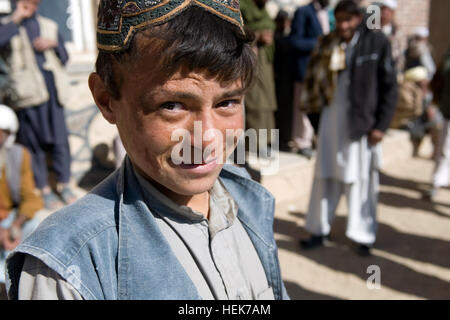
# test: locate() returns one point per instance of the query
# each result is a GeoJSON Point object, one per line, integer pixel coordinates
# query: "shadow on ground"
{"type": "Point", "coordinates": [402, 201]}
{"type": "Point", "coordinates": [296, 292]}
{"type": "Point", "coordinates": [389, 180]}
{"type": "Point", "coordinates": [340, 257]}
{"type": "Point", "coordinates": [100, 168]}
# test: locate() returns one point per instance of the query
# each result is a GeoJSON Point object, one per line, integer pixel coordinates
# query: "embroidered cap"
{"type": "Point", "coordinates": [119, 20]}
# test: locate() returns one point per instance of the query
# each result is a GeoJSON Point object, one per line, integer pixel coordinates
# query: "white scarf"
{"type": "Point", "coordinates": [3, 153]}
{"type": "Point", "coordinates": [9, 142]}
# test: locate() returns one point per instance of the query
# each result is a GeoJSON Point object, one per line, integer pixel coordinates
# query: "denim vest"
{"type": "Point", "coordinates": [108, 246]}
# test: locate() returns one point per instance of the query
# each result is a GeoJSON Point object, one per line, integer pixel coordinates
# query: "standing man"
{"type": "Point", "coordinates": [309, 23]}
{"type": "Point", "coordinates": [160, 228]}
{"type": "Point", "coordinates": [352, 79]}
{"type": "Point", "coordinates": [284, 84]}
{"type": "Point", "coordinates": [36, 56]}
{"type": "Point", "coordinates": [260, 101]}
{"type": "Point", "coordinates": [391, 30]}
{"type": "Point", "coordinates": [418, 52]}
{"type": "Point", "coordinates": [19, 201]}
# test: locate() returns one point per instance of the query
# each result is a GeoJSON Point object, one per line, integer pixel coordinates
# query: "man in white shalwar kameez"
{"type": "Point", "coordinates": [346, 163]}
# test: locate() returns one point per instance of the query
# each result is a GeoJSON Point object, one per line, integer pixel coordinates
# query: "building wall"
{"type": "Point", "coordinates": [412, 14]}
{"type": "Point", "coordinates": [76, 20]}
{"type": "Point", "coordinates": [439, 28]}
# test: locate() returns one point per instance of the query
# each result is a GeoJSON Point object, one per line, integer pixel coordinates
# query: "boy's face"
{"type": "Point", "coordinates": [150, 109]}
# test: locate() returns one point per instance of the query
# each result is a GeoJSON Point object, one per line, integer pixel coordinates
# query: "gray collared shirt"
{"type": "Point", "coordinates": [217, 255]}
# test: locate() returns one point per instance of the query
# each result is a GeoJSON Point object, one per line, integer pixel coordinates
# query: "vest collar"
{"type": "Point", "coordinates": [142, 265]}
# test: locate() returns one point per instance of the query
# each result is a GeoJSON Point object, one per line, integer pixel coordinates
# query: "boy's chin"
{"type": "Point", "coordinates": [194, 187]}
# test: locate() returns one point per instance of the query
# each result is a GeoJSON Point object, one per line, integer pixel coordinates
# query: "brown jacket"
{"type": "Point", "coordinates": [409, 105]}
{"type": "Point", "coordinates": [31, 202]}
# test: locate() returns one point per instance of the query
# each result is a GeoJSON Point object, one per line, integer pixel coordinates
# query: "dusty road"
{"type": "Point", "coordinates": [412, 248]}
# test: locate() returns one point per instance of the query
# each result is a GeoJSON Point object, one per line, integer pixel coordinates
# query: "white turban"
{"type": "Point", "coordinates": [416, 74]}
{"type": "Point", "coordinates": [422, 32]}
{"type": "Point", "coordinates": [9, 122]}
{"type": "Point", "coordinates": [392, 4]}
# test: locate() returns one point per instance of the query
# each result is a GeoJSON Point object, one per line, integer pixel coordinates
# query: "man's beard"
{"type": "Point", "coordinates": [324, 3]}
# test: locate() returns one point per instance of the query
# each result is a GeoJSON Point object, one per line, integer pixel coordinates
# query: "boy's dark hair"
{"type": "Point", "coordinates": [193, 41]}
{"type": "Point", "coordinates": [349, 6]}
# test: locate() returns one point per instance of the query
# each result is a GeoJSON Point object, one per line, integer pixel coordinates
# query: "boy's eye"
{"type": "Point", "coordinates": [171, 106]}
{"type": "Point", "coordinates": [229, 103]}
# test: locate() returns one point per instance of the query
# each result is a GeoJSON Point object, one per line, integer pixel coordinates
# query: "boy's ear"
{"type": "Point", "coordinates": [102, 97]}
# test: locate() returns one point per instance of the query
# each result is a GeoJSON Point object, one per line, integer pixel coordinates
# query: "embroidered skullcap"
{"type": "Point", "coordinates": [119, 20]}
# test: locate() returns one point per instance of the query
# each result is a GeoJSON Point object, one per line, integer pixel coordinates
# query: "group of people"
{"type": "Point", "coordinates": [340, 84]}
{"type": "Point", "coordinates": [284, 47]}
{"type": "Point", "coordinates": [33, 134]}
{"type": "Point", "coordinates": [157, 229]}
{"type": "Point", "coordinates": [336, 80]}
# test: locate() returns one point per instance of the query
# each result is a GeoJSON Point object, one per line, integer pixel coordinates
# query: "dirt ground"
{"type": "Point", "coordinates": [412, 249]}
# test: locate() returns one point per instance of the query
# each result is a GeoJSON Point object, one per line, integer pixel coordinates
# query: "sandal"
{"type": "Point", "coordinates": [51, 201]}
{"type": "Point", "coordinates": [67, 195]}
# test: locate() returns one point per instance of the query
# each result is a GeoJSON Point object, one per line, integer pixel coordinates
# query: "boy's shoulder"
{"type": "Point", "coordinates": [68, 236]}
{"type": "Point", "coordinates": [65, 232]}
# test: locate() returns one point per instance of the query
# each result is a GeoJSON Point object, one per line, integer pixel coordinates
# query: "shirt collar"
{"type": "Point", "coordinates": [355, 39]}
{"type": "Point", "coordinates": [223, 209]}
{"type": "Point", "coordinates": [352, 42]}
{"type": "Point", "coordinates": [388, 30]}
